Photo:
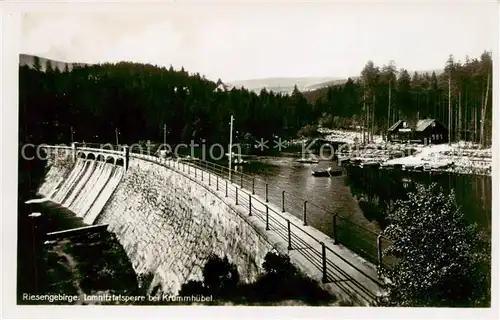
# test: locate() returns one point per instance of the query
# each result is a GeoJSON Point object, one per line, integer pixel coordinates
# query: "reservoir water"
{"type": "Point", "coordinates": [370, 190]}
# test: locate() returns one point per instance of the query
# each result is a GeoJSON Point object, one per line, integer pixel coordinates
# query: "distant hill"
{"type": "Point", "coordinates": [283, 84]}
{"type": "Point", "coordinates": [29, 60]}
{"type": "Point", "coordinates": [305, 84]}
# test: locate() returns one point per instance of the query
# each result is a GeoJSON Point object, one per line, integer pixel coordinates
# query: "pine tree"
{"type": "Point", "coordinates": [36, 64]}
{"type": "Point", "coordinates": [48, 66]}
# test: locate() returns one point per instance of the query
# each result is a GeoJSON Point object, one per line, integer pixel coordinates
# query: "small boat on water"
{"type": "Point", "coordinates": [419, 168]}
{"type": "Point", "coordinates": [408, 167]}
{"type": "Point", "coordinates": [413, 167]}
{"type": "Point", "coordinates": [329, 172]}
{"type": "Point", "coordinates": [393, 166]}
{"type": "Point", "coordinates": [369, 164]}
{"type": "Point", "coordinates": [308, 160]}
{"type": "Point", "coordinates": [240, 162]}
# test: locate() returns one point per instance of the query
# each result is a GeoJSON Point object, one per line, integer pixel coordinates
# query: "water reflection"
{"type": "Point", "coordinates": [378, 189]}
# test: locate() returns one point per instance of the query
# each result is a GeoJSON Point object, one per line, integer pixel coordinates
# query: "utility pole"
{"type": "Point", "coordinates": [389, 112]}
{"type": "Point", "coordinates": [364, 115]}
{"type": "Point", "coordinates": [372, 118]}
{"type": "Point", "coordinates": [230, 145]}
{"type": "Point", "coordinates": [116, 134]}
{"type": "Point", "coordinates": [164, 135]}
{"type": "Point", "coordinates": [459, 115]}
{"type": "Point", "coordinates": [449, 107]}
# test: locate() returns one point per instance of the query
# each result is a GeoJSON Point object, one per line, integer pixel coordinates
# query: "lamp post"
{"type": "Point", "coordinates": [72, 132]}
{"type": "Point", "coordinates": [116, 134]}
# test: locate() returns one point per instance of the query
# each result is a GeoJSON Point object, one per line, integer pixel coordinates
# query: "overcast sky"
{"type": "Point", "coordinates": [254, 40]}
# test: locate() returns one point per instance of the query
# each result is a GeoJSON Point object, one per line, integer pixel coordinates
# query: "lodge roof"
{"type": "Point", "coordinates": [425, 123]}
{"type": "Point", "coordinates": [420, 126]}
{"type": "Point", "coordinates": [395, 125]}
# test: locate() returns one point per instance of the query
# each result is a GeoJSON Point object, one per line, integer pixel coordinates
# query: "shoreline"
{"type": "Point", "coordinates": [459, 157]}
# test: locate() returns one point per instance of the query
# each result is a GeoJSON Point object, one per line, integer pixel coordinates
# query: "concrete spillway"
{"type": "Point", "coordinates": [85, 189]}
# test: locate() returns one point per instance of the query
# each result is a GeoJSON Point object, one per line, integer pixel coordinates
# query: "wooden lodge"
{"type": "Point", "coordinates": [424, 131]}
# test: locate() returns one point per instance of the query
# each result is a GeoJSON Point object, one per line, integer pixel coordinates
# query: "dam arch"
{"type": "Point", "coordinates": [81, 155]}
{"type": "Point", "coordinates": [120, 162]}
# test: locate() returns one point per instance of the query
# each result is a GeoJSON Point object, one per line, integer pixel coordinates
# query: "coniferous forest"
{"type": "Point", "coordinates": [92, 103]}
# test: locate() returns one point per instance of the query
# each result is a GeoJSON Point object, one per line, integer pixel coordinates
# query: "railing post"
{"type": "Point", "coordinates": [253, 185]}
{"type": "Point", "coordinates": [283, 201]}
{"type": "Point", "coordinates": [183, 167]}
{"type": "Point", "coordinates": [241, 180]}
{"type": "Point", "coordinates": [289, 236]}
{"type": "Point", "coordinates": [379, 247]}
{"type": "Point", "coordinates": [250, 205]}
{"type": "Point", "coordinates": [236, 195]}
{"type": "Point", "coordinates": [267, 198]}
{"type": "Point", "coordinates": [323, 255]}
{"type": "Point", "coordinates": [201, 174]}
{"type": "Point", "coordinates": [226, 188]}
{"type": "Point", "coordinates": [189, 170]}
{"type": "Point", "coordinates": [195, 172]}
{"type": "Point", "coordinates": [217, 181]}
{"type": "Point", "coordinates": [335, 237]}
{"type": "Point", "coordinates": [267, 217]}
{"type": "Point", "coordinates": [209, 182]}
{"type": "Point", "coordinates": [305, 212]}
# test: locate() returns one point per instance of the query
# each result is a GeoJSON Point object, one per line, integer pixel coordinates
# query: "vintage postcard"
{"type": "Point", "coordinates": [251, 154]}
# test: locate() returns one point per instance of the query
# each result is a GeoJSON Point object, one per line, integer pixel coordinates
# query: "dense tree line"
{"type": "Point", "coordinates": [137, 101]}
{"type": "Point", "coordinates": [460, 97]}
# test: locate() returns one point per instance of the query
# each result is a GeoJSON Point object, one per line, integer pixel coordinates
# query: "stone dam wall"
{"type": "Point", "coordinates": [167, 224]}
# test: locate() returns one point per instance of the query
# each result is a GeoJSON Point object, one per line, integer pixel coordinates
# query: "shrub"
{"type": "Point", "coordinates": [220, 277]}
{"type": "Point", "coordinates": [443, 261]}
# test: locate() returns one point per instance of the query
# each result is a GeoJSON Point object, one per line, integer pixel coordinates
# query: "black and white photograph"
{"type": "Point", "coordinates": [254, 154]}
